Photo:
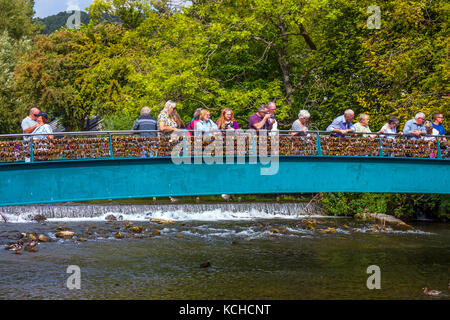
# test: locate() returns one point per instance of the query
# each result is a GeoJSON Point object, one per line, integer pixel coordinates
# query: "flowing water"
{"type": "Point", "coordinates": [256, 251]}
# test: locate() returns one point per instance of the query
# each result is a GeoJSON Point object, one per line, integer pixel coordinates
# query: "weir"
{"type": "Point", "coordinates": [215, 211]}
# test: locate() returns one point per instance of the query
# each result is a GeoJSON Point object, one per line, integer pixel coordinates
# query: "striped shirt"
{"type": "Point", "coordinates": [146, 123]}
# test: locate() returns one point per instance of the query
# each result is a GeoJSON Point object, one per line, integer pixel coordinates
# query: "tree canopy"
{"type": "Point", "coordinates": [318, 55]}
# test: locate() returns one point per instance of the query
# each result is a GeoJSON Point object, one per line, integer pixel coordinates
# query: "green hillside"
{"type": "Point", "coordinates": [56, 21]}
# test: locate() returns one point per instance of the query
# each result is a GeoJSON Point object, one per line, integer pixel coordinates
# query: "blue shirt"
{"type": "Point", "coordinates": [439, 128]}
{"type": "Point", "coordinates": [205, 127]}
{"type": "Point", "coordinates": [412, 125]}
{"type": "Point", "coordinates": [340, 123]}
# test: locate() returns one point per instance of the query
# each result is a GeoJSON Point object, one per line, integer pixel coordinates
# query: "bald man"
{"type": "Point", "coordinates": [30, 123]}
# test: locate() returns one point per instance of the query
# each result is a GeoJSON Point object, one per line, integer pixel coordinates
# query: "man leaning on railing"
{"type": "Point", "coordinates": [342, 124]}
{"type": "Point", "coordinates": [414, 128]}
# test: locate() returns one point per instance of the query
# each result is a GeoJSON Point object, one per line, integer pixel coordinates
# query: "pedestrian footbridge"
{"type": "Point", "coordinates": [119, 165]}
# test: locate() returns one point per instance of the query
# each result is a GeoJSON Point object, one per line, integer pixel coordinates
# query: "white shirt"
{"type": "Point", "coordinates": [388, 129]}
{"type": "Point", "coordinates": [43, 129]}
{"type": "Point", "coordinates": [434, 133]}
{"type": "Point", "coordinates": [26, 124]}
{"type": "Point", "coordinates": [274, 130]}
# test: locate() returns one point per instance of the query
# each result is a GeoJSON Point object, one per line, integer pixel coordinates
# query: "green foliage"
{"type": "Point", "coordinates": [16, 17]}
{"type": "Point", "coordinates": [317, 55]}
{"type": "Point", "coordinates": [16, 28]}
{"type": "Point", "coordinates": [118, 122]}
{"type": "Point", "coordinates": [409, 59]}
{"type": "Point", "coordinates": [11, 108]}
{"type": "Point", "coordinates": [397, 204]}
{"type": "Point", "coordinates": [74, 73]}
{"type": "Point", "coordinates": [130, 12]}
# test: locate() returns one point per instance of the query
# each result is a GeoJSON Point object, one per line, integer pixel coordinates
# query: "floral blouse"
{"type": "Point", "coordinates": [169, 122]}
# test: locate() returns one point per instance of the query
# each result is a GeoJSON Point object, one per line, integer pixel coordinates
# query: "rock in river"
{"type": "Point", "coordinates": [39, 218]}
{"type": "Point", "coordinates": [43, 238]}
{"type": "Point", "coordinates": [161, 221]}
{"type": "Point", "coordinates": [136, 229]}
{"type": "Point", "coordinates": [65, 234]}
{"type": "Point", "coordinates": [111, 218]}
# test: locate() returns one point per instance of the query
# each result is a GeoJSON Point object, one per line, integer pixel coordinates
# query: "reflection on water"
{"type": "Point", "coordinates": [251, 259]}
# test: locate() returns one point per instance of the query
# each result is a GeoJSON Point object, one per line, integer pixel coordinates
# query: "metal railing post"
{"type": "Point", "coordinates": [318, 145]}
{"type": "Point", "coordinates": [380, 145]}
{"type": "Point", "coordinates": [31, 150]}
{"type": "Point", "coordinates": [439, 154]}
{"type": "Point", "coordinates": [111, 154]}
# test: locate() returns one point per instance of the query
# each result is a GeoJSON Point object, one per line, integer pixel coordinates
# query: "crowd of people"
{"type": "Point", "coordinates": [169, 121]}
{"type": "Point", "coordinates": [265, 119]}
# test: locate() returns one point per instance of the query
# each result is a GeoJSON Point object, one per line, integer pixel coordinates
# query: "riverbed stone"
{"type": "Point", "coordinates": [39, 218]}
{"type": "Point", "coordinates": [111, 218]}
{"type": "Point", "coordinates": [118, 235]}
{"type": "Point", "coordinates": [328, 230]}
{"type": "Point", "coordinates": [43, 238]}
{"type": "Point", "coordinates": [179, 235]}
{"type": "Point", "coordinates": [32, 236]}
{"type": "Point", "coordinates": [136, 229]}
{"type": "Point", "coordinates": [156, 232]}
{"type": "Point", "coordinates": [65, 234]}
{"type": "Point", "coordinates": [310, 224]}
{"type": "Point", "coordinates": [127, 224]}
{"type": "Point", "coordinates": [161, 221]}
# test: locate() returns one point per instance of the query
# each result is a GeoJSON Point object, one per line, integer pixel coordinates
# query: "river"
{"type": "Point", "coordinates": [255, 251]}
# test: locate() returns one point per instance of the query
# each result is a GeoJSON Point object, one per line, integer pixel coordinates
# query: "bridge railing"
{"type": "Point", "coordinates": [18, 148]}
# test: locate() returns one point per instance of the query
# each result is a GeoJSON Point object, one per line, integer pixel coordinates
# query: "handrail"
{"type": "Point", "coordinates": [131, 144]}
{"type": "Point", "coordinates": [134, 132]}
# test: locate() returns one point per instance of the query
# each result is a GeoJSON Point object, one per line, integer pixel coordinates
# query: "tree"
{"type": "Point", "coordinates": [67, 73]}
{"type": "Point", "coordinates": [11, 106]}
{"type": "Point", "coordinates": [409, 57]}
{"type": "Point", "coordinates": [16, 28]}
{"type": "Point", "coordinates": [16, 17]}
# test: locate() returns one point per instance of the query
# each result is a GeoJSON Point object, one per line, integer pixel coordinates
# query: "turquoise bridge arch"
{"type": "Point", "coordinates": [131, 177]}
